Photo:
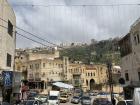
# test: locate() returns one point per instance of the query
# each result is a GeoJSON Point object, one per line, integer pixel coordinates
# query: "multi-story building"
{"type": "Point", "coordinates": [77, 75]}
{"type": "Point", "coordinates": [7, 36]}
{"type": "Point", "coordinates": [43, 71]}
{"type": "Point", "coordinates": [39, 66]}
{"type": "Point", "coordinates": [7, 44]}
{"type": "Point", "coordinates": [95, 75]}
{"type": "Point", "coordinates": [130, 53]}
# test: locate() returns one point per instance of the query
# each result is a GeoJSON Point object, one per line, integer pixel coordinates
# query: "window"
{"type": "Point", "coordinates": [91, 74]}
{"type": "Point", "coordinates": [139, 75]}
{"type": "Point", "coordinates": [10, 28]}
{"type": "Point", "coordinates": [138, 38]}
{"type": "Point", "coordinates": [135, 40]}
{"type": "Point", "coordinates": [9, 60]}
{"type": "Point", "coordinates": [126, 76]}
{"type": "Point", "coordinates": [43, 64]}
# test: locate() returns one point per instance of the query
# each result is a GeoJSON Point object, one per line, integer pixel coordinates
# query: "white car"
{"type": "Point", "coordinates": [125, 102]}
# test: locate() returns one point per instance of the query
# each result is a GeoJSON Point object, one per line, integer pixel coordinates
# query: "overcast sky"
{"type": "Point", "coordinates": [66, 23]}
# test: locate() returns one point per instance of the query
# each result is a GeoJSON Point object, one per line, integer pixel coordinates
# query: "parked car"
{"type": "Point", "coordinates": [86, 100]}
{"type": "Point", "coordinates": [93, 93]}
{"type": "Point", "coordinates": [101, 101]}
{"type": "Point", "coordinates": [75, 99]}
{"type": "Point", "coordinates": [33, 102]}
{"type": "Point", "coordinates": [42, 98]}
{"type": "Point", "coordinates": [125, 102]}
{"type": "Point", "coordinates": [64, 98]}
{"type": "Point", "coordinates": [32, 95]}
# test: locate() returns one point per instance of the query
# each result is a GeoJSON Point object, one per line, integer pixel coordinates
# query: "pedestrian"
{"type": "Point", "coordinates": [113, 101]}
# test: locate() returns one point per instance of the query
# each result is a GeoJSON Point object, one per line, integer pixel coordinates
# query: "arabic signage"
{"type": "Point", "coordinates": [7, 79]}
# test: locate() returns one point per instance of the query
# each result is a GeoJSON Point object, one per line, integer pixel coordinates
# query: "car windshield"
{"type": "Point", "coordinates": [64, 96]}
{"type": "Point", "coordinates": [129, 102]}
{"type": "Point", "coordinates": [86, 98]}
{"type": "Point", "coordinates": [53, 98]}
{"type": "Point", "coordinates": [76, 97]}
{"type": "Point", "coordinates": [43, 96]}
{"type": "Point", "coordinates": [29, 102]}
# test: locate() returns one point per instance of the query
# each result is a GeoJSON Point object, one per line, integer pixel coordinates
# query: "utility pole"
{"type": "Point", "coordinates": [109, 66]}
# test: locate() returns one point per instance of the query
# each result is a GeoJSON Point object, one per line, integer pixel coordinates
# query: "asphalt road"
{"type": "Point", "coordinates": [69, 103]}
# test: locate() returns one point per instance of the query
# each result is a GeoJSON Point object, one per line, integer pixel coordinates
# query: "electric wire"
{"type": "Point", "coordinates": [27, 37]}
{"type": "Point", "coordinates": [32, 34]}
{"type": "Point", "coordinates": [41, 5]}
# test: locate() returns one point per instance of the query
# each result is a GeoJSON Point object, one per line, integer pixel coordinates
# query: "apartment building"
{"type": "Point", "coordinates": [7, 46]}
{"type": "Point", "coordinates": [43, 71]}
{"type": "Point", "coordinates": [77, 75]}
{"type": "Point", "coordinates": [7, 36]}
{"type": "Point", "coordinates": [130, 53]}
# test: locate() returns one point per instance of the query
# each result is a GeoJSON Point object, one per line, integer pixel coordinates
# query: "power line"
{"type": "Point", "coordinates": [41, 5]}
{"type": "Point", "coordinates": [27, 37]}
{"type": "Point", "coordinates": [32, 34]}
{"type": "Point", "coordinates": [32, 39]}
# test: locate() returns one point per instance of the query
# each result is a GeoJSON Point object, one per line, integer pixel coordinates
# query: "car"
{"type": "Point", "coordinates": [33, 102]}
{"type": "Point", "coordinates": [64, 98]}
{"type": "Point", "coordinates": [85, 100]}
{"type": "Point", "coordinates": [41, 98]}
{"type": "Point", "coordinates": [32, 95]}
{"type": "Point", "coordinates": [75, 99]}
{"type": "Point", "coordinates": [125, 102]}
{"type": "Point", "coordinates": [101, 101]}
{"type": "Point", "coordinates": [93, 93]}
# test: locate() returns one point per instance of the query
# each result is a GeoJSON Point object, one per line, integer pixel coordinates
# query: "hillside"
{"type": "Point", "coordinates": [98, 52]}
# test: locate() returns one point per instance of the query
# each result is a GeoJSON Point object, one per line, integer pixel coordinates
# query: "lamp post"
{"type": "Point", "coordinates": [109, 66]}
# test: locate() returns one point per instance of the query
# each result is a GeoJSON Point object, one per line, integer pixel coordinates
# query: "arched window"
{"type": "Point", "coordinates": [87, 82]}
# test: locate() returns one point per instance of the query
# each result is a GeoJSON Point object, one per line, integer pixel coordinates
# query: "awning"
{"type": "Point", "coordinates": [63, 85]}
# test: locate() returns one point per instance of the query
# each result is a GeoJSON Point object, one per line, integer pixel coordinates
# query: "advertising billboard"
{"type": "Point", "coordinates": [7, 79]}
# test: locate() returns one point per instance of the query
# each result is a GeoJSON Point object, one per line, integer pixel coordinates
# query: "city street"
{"type": "Point", "coordinates": [69, 103]}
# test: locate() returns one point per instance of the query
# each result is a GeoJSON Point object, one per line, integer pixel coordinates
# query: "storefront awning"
{"type": "Point", "coordinates": [63, 85]}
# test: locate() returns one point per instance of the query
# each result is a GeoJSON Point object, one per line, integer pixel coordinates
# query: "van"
{"type": "Point", "coordinates": [54, 98]}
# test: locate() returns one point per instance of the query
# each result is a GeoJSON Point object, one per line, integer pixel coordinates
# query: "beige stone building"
{"type": "Point", "coordinates": [130, 61]}
{"type": "Point", "coordinates": [7, 36]}
{"type": "Point", "coordinates": [86, 76]}
{"type": "Point", "coordinates": [39, 66]}
{"type": "Point", "coordinates": [77, 75]}
{"type": "Point", "coordinates": [43, 71]}
{"type": "Point", "coordinates": [95, 75]}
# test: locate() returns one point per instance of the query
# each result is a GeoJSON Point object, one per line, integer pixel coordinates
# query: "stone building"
{"type": "Point", "coordinates": [95, 75]}
{"type": "Point", "coordinates": [7, 46]}
{"type": "Point", "coordinates": [43, 71]}
{"type": "Point", "coordinates": [130, 59]}
{"type": "Point", "coordinates": [7, 36]}
{"type": "Point", "coordinates": [77, 75]}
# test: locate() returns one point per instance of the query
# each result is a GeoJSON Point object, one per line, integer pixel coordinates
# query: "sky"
{"type": "Point", "coordinates": [67, 21]}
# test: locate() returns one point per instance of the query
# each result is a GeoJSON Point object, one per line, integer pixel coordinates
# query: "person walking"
{"type": "Point", "coordinates": [113, 101]}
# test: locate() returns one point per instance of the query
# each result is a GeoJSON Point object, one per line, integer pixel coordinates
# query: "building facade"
{"type": "Point", "coordinates": [96, 75]}
{"type": "Point", "coordinates": [7, 46]}
{"type": "Point", "coordinates": [7, 36]}
{"type": "Point", "coordinates": [130, 53]}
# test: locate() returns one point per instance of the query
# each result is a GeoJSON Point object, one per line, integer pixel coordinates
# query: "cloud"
{"type": "Point", "coordinates": [75, 23]}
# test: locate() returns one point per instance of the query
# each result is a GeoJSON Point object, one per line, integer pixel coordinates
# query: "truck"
{"type": "Point", "coordinates": [54, 98]}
